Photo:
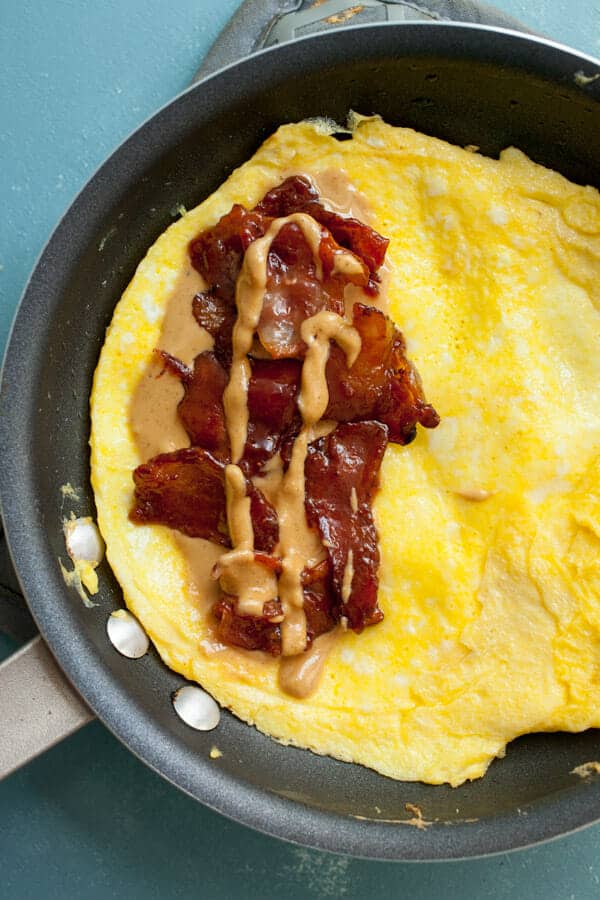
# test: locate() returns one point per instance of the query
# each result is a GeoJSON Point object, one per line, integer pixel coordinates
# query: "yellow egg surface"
{"type": "Point", "coordinates": [489, 526]}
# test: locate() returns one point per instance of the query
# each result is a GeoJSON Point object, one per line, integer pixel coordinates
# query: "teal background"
{"type": "Point", "coordinates": [88, 820]}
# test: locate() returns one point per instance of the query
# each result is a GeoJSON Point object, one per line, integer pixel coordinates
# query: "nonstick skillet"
{"type": "Point", "coordinates": [466, 84]}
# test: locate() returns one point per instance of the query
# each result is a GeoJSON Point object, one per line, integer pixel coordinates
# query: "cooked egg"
{"type": "Point", "coordinates": [489, 526]}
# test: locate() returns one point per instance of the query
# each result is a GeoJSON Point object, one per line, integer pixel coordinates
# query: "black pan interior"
{"type": "Point", "coordinates": [466, 84]}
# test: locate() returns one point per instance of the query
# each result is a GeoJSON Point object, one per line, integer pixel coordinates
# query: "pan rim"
{"type": "Point", "coordinates": [268, 813]}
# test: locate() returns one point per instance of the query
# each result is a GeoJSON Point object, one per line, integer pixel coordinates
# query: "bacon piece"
{"type": "Point", "coordinates": [293, 290]}
{"type": "Point", "coordinates": [217, 253]}
{"type": "Point", "coordinates": [249, 632]}
{"type": "Point", "coordinates": [407, 404]}
{"type": "Point", "coordinates": [272, 393]}
{"type": "Point", "coordinates": [261, 633]}
{"type": "Point", "coordinates": [382, 384]}
{"type": "Point", "coordinates": [264, 520]}
{"type": "Point", "coordinates": [217, 315]}
{"type": "Point", "coordinates": [348, 458]}
{"type": "Point", "coordinates": [293, 294]}
{"type": "Point", "coordinates": [185, 490]}
{"type": "Point", "coordinates": [174, 365]}
{"type": "Point", "coordinates": [272, 410]}
{"type": "Point", "coordinates": [296, 194]}
{"type": "Point", "coordinates": [321, 605]}
{"type": "Point", "coordinates": [320, 572]}
{"type": "Point", "coordinates": [292, 195]}
{"type": "Point", "coordinates": [201, 410]}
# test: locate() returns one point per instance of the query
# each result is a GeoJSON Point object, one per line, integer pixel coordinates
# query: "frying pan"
{"type": "Point", "coordinates": [466, 84]}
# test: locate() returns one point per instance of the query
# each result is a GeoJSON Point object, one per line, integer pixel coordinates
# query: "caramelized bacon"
{"type": "Point", "coordinates": [249, 632]}
{"type": "Point", "coordinates": [201, 410]}
{"type": "Point", "coordinates": [262, 633]}
{"type": "Point", "coordinates": [321, 608]}
{"type": "Point", "coordinates": [217, 253]}
{"type": "Point", "coordinates": [272, 393]}
{"type": "Point", "coordinates": [186, 491]}
{"type": "Point", "coordinates": [295, 291]}
{"type": "Point", "coordinates": [382, 384]}
{"type": "Point", "coordinates": [296, 194]}
{"type": "Point", "coordinates": [348, 458]}
{"type": "Point", "coordinates": [264, 520]}
{"type": "Point", "coordinates": [217, 315]}
{"type": "Point", "coordinates": [272, 409]}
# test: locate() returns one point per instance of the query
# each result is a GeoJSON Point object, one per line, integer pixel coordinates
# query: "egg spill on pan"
{"type": "Point", "coordinates": [86, 551]}
{"type": "Point", "coordinates": [489, 526]}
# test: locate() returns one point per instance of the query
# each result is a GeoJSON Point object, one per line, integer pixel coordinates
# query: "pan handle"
{"type": "Point", "coordinates": [15, 619]}
{"type": "Point", "coordinates": [38, 706]}
{"type": "Point", "coordinates": [263, 23]}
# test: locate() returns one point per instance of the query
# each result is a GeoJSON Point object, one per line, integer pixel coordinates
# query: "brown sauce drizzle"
{"type": "Point", "coordinates": [157, 429]}
{"type": "Point", "coordinates": [300, 675]}
{"type": "Point", "coordinates": [298, 545]}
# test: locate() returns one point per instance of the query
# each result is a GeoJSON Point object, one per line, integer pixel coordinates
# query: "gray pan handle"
{"type": "Point", "coordinates": [38, 706]}
{"type": "Point", "coordinates": [264, 23]}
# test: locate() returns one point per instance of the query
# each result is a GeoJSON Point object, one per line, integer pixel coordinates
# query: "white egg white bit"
{"type": "Point", "coordinates": [83, 540]}
{"type": "Point", "coordinates": [196, 708]}
{"type": "Point", "coordinates": [126, 634]}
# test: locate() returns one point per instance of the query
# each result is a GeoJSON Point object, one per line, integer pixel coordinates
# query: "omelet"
{"type": "Point", "coordinates": [489, 526]}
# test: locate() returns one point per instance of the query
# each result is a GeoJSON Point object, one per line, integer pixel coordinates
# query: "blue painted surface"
{"type": "Point", "coordinates": [88, 820]}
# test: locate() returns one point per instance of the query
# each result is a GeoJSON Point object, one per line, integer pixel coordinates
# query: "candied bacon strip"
{"type": "Point", "coordinates": [261, 633]}
{"type": "Point", "coordinates": [265, 523]}
{"type": "Point", "coordinates": [321, 608]}
{"type": "Point", "coordinates": [217, 315]}
{"type": "Point", "coordinates": [272, 394]}
{"type": "Point", "coordinates": [297, 194]}
{"type": "Point", "coordinates": [292, 195]}
{"type": "Point", "coordinates": [185, 490]}
{"type": "Point", "coordinates": [272, 409]}
{"type": "Point", "coordinates": [294, 292]}
{"type": "Point", "coordinates": [249, 632]}
{"type": "Point", "coordinates": [356, 393]}
{"type": "Point", "coordinates": [407, 404]}
{"type": "Point", "coordinates": [348, 458]}
{"type": "Point", "coordinates": [217, 253]}
{"type": "Point", "coordinates": [201, 409]}
{"type": "Point", "coordinates": [382, 384]}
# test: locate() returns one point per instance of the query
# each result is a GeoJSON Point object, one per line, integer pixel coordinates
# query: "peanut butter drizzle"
{"type": "Point", "coordinates": [298, 545]}
{"type": "Point", "coordinates": [317, 332]}
{"type": "Point", "coordinates": [249, 296]}
{"type": "Point", "coordinates": [239, 573]}
{"type": "Point", "coordinates": [348, 576]}
{"type": "Point", "coordinates": [157, 429]}
{"type": "Point", "coordinates": [300, 675]}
